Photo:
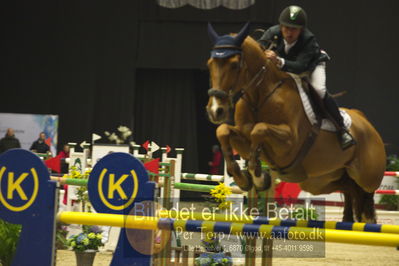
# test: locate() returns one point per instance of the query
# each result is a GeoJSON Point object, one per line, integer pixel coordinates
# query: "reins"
{"type": "Point", "coordinates": [267, 97]}
{"type": "Point", "coordinates": [241, 93]}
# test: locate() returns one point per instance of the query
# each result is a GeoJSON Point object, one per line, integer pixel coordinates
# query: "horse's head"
{"type": "Point", "coordinates": [225, 69]}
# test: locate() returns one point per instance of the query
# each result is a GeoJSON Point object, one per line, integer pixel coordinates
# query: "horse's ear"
{"type": "Point", "coordinates": [242, 34]}
{"type": "Point", "coordinates": [212, 33]}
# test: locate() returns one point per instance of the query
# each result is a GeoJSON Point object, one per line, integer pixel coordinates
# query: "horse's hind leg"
{"type": "Point", "coordinates": [368, 212]}
{"type": "Point", "coordinates": [362, 201]}
{"type": "Point", "coordinates": [364, 206]}
{"type": "Point", "coordinates": [229, 136]}
{"type": "Point", "coordinates": [348, 208]}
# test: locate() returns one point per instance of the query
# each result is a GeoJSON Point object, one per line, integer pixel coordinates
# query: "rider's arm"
{"type": "Point", "coordinates": [268, 37]}
{"type": "Point", "coordinates": [304, 59]}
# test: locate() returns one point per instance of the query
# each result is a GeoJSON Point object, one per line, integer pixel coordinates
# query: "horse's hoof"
{"type": "Point", "coordinates": [262, 185]}
{"type": "Point", "coordinates": [248, 179]}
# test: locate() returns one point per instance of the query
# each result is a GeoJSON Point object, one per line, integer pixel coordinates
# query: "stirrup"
{"type": "Point", "coordinates": [346, 140]}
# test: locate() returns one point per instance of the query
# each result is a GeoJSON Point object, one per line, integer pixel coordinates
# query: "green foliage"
{"type": "Point", "coordinates": [391, 201]}
{"type": "Point", "coordinates": [81, 192]}
{"type": "Point", "coordinates": [393, 163]}
{"type": "Point", "coordinates": [60, 236]}
{"type": "Point", "coordinates": [301, 213]}
{"type": "Point", "coordinates": [211, 242]}
{"type": "Point", "coordinates": [217, 259]}
{"type": "Point", "coordinates": [214, 255]}
{"type": "Point", "coordinates": [9, 236]}
{"type": "Point", "coordinates": [89, 239]}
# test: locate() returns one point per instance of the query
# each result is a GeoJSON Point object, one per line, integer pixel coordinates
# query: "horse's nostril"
{"type": "Point", "coordinates": [219, 112]}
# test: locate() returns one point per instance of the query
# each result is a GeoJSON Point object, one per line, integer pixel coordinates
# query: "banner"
{"type": "Point", "coordinates": [27, 128]}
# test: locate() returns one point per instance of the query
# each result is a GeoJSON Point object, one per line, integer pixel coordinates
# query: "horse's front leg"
{"type": "Point", "coordinates": [261, 133]}
{"type": "Point", "coordinates": [231, 137]}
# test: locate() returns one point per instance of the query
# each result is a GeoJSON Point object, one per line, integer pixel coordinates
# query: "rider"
{"type": "Point", "coordinates": [293, 48]}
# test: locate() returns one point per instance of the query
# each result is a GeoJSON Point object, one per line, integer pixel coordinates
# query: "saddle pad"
{"type": "Point", "coordinates": [326, 123]}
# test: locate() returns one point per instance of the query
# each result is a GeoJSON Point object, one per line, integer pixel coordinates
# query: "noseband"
{"type": "Point", "coordinates": [221, 94]}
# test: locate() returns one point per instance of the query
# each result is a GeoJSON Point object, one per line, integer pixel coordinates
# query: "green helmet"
{"type": "Point", "coordinates": [293, 16]}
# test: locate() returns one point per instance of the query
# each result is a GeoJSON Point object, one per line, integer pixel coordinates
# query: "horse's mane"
{"type": "Point", "coordinates": [255, 52]}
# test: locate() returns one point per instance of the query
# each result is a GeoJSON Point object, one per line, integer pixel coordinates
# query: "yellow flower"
{"type": "Point", "coordinates": [99, 236]}
{"type": "Point", "coordinates": [86, 241]}
{"type": "Point", "coordinates": [75, 174]}
{"type": "Point", "coordinates": [91, 235]}
{"type": "Point", "coordinates": [219, 193]}
{"type": "Point", "coordinates": [225, 205]}
{"type": "Point", "coordinates": [87, 172]}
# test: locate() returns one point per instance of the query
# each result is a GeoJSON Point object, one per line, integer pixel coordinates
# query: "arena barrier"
{"type": "Point", "coordinates": [117, 182]}
{"type": "Point", "coordinates": [260, 220]}
{"type": "Point", "coordinates": [262, 230]}
{"type": "Point", "coordinates": [169, 187]}
{"type": "Point", "coordinates": [387, 192]}
{"type": "Point", "coordinates": [219, 178]}
{"type": "Point", "coordinates": [202, 177]}
{"type": "Point", "coordinates": [391, 173]}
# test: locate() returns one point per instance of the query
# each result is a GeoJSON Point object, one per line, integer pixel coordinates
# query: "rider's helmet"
{"type": "Point", "coordinates": [293, 16]}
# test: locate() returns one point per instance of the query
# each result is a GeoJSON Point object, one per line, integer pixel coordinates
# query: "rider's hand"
{"type": "Point", "coordinates": [270, 54]}
{"type": "Point", "coordinates": [273, 57]}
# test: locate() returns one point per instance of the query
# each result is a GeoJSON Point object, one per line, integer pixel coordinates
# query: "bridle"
{"type": "Point", "coordinates": [234, 97]}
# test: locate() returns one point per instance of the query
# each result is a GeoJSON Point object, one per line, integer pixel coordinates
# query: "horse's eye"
{"type": "Point", "coordinates": [234, 66]}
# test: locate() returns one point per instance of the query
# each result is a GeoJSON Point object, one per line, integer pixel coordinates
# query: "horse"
{"type": "Point", "coordinates": [270, 125]}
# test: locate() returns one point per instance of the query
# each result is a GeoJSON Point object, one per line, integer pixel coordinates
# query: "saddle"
{"type": "Point", "coordinates": [320, 111]}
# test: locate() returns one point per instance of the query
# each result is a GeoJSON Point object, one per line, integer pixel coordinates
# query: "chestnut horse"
{"type": "Point", "coordinates": [270, 124]}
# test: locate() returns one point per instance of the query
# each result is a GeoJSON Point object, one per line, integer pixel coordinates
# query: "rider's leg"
{"type": "Point", "coordinates": [318, 81]}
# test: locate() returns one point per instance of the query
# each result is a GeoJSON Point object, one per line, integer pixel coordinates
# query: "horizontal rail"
{"type": "Point", "coordinates": [243, 218]}
{"type": "Point", "coordinates": [203, 188]}
{"type": "Point", "coordinates": [70, 181]}
{"type": "Point", "coordinates": [264, 231]}
{"type": "Point", "coordinates": [202, 177]}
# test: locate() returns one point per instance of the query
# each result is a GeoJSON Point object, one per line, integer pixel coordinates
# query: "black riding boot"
{"type": "Point", "coordinates": [344, 136]}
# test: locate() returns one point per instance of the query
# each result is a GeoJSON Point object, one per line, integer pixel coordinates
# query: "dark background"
{"type": "Point", "coordinates": [101, 64]}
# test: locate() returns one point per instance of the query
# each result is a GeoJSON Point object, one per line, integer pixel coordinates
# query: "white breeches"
{"type": "Point", "coordinates": [318, 79]}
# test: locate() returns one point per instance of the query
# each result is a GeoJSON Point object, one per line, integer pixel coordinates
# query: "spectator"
{"type": "Point", "coordinates": [40, 146]}
{"type": "Point", "coordinates": [63, 155]}
{"type": "Point", "coordinates": [215, 165]}
{"type": "Point", "coordinates": [9, 141]}
{"type": "Point", "coordinates": [65, 152]}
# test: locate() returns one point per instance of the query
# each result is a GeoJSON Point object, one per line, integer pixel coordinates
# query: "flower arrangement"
{"type": "Point", "coordinates": [219, 194]}
{"type": "Point", "coordinates": [89, 239]}
{"type": "Point", "coordinates": [121, 136]}
{"type": "Point", "coordinates": [81, 192]}
{"type": "Point", "coordinates": [218, 259]}
{"type": "Point", "coordinates": [75, 173]}
{"type": "Point", "coordinates": [211, 243]}
{"type": "Point", "coordinates": [214, 255]}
